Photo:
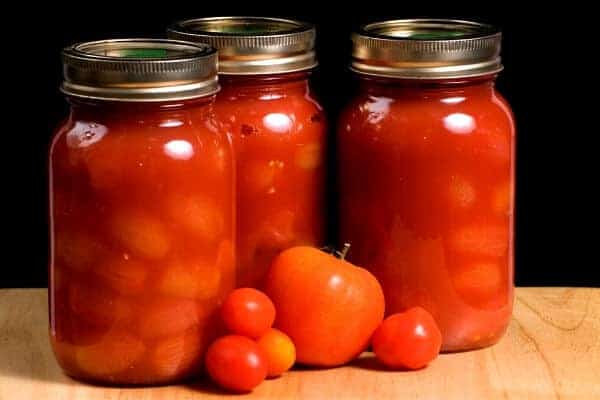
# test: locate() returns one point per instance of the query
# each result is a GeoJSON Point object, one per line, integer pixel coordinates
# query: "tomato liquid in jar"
{"type": "Point", "coordinates": [278, 130]}
{"type": "Point", "coordinates": [426, 174]}
{"type": "Point", "coordinates": [142, 212]}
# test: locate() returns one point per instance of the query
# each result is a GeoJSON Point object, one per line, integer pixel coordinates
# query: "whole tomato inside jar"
{"type": "Point", "coordinates": [426, 173]}
{"type": "Point", "coordinates": [278, 130]}
{"type": "Point", "coordinates": [141, 212]}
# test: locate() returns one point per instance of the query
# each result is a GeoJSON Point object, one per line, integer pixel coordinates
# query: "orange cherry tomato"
{"type": "Point", "coordinates": [248, 312]}
{"type": "Point", "coordinates": [236, 363]}
{"type": "Point", "coordinates": [327, 306]}
{"type": "Point", "coordinates": [279, 350]}
{"type": "Point", "coordinates": [407, 340]}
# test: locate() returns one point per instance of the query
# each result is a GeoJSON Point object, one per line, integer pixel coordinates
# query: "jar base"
{"type": "Point", "coordinates": [460, 347]}
{"type": "Point", "coordinates": [107, 382]}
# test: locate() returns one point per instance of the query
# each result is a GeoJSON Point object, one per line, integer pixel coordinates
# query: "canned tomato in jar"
{"type": "Point", "coordinates": [426, 152]}
{"type": "Point", "coordinates": [141, 212]}
{"type": "Point", "coordinates": [278, 130]}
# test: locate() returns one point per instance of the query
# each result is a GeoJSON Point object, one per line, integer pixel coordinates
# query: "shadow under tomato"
{"type": "Point", "coordinates": [369, 362]}
{"type": "Point", "coordinates": [306, 368]}
{"type": "Point", "coordinates": [206, 386]}
{"type": "Point", "coordinates": [366, 361]}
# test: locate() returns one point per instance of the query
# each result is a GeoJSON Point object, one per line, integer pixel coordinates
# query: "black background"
{"type": "Point", "coordinates": [548, 80]}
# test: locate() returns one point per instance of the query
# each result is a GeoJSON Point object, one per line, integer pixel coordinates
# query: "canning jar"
{"type": "Point", "coordinates": [141, 212]}
{"type": "Point", "coordinates": [426, 174]}
{"type": "Point", "coordinates": [278, 130]}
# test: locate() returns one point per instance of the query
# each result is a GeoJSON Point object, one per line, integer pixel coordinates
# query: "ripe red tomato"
{"type": "Point", "coordinates": [236, 363]}
{"type": "Point", "coordinates": [328, 307]}
{"type": "Point", "coordinates": [248, 312]}
{"type": "Point", "coordinates": [409, 340]}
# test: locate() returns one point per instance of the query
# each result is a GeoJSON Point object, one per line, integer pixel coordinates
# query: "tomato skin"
{"type": "Point", "coordinates": [327, 306]}
{"type": "Point", "coordinates": [407, 340]}
{"type": "Point", "coordinates": [279, 350]}
{"type": "Point", "coordinates": [236, 363]}
{"type": "Point", "coordinates": [248, 312]}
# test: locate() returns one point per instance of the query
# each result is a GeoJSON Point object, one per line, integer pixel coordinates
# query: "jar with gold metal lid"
{"type": "Point", "coordinates": [141, 212]}
{"type": "Point", "coordinates": [278, 130]}
{"type": "Point", "coordinates": [426, 162]}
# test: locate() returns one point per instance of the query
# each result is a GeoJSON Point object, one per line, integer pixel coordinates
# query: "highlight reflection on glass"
{"type": "Point", "coordinates": [170, 123]}
{"type": "Point", "coordinates": [271, 96]}
{"type": "Point", "coordinates": [378, 108]}
{"type": "Point", "coordinates": [453, 100]}
{"type": "Point", "coordinates": [278, 122]}
{"type": "Point", "coordinates": [459, 123]}
{"type": "Point", "coordinates": [179, 149]}
{"type": "Point", "coordinates": [84, 134]}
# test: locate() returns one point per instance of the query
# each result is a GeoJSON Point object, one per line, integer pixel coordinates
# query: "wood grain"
{"type": "Point", "coordinates": [551, 351]}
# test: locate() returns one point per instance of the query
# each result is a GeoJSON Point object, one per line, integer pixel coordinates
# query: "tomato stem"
{"type": "Point", "coordinates": [341, 254]}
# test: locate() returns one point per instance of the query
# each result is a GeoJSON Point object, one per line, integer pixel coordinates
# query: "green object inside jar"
{"type": "Point", "coordinates": [247, 28]}
{"type": "Point", "coordinates": [436, 35]}
{"type": "Point", "coordinates": [429, 34]}
{"type": "Point", "coordinates": [141, 53]}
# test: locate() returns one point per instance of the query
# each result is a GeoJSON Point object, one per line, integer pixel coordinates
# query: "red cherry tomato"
{"type": "Point", "coordinates": [236, 363]}
{"type": "Point", "coordinates": [408, 340]}
{"type": "Point", "coordinates": [248, 312]}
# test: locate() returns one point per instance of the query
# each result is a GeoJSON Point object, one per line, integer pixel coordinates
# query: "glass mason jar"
{"type": "Point", "coordinates": [278, 131]}
{"type": "Point", "coordinates": [426, 174]}
{"type": "Point", "coordinates": [141, 212]}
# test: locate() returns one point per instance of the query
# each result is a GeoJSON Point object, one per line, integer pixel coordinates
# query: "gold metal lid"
{"type": "Point", "coordinates": [253, 45]}
{"type": "Point", "coordinates": [143, 70]}
{"type": "Point", "coordinates": [426, 49]}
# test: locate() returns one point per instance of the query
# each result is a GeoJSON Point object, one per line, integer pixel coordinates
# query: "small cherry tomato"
{"type": "Point", "coordinates": [248, 312]}
{"type": "Point", "coordinates": [236, 363]}
{"type": "Point", "coordinates": [279, 350]}
{"type": "Point", "coordinates": [409, 340]}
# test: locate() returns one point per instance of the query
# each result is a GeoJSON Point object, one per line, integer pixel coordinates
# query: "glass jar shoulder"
{"type": "Point", "coordinates": [277, 113]}
{"type": "Point", "coordinates": [412, 112]}
{"type": "Point", "coordinates": [114, 147]}
{"type": "Point", "coordinates": [177, 134]}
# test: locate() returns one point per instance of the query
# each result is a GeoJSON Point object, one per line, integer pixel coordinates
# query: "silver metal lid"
{"type": "Point", "coordinates": [253, 45]}
{"type": "Point", "coordinates": [143, 70]}
{"type": "Point", "coordinates": [426, 49]}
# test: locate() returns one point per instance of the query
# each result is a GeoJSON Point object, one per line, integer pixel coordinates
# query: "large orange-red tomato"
{"type": "Point", "coordinates": [327, 306]}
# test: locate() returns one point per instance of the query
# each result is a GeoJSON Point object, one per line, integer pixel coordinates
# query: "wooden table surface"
{"type": "Point", "coordinates": [551, 351]}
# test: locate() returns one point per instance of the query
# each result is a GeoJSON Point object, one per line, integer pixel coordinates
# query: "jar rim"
{"type": "Point", "coordinates": [138, 69]}
{"type": "Point", "coordinates": [253, 45]}
{"type": "Point", "coordinates": [426, 49]}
